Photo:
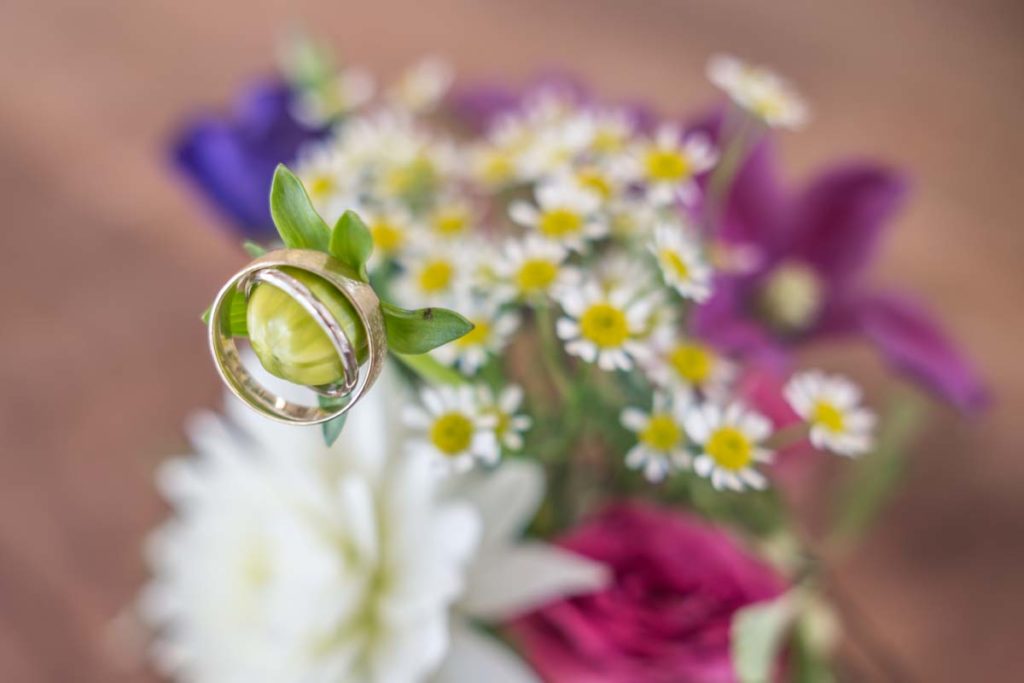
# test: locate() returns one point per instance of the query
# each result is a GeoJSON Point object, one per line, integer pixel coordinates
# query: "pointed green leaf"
{"type": "Point", "coordinates": [758, 634]}
{"type": "Point", "coordinates": [419, 331]}
{"type": "Point", "coordinates": [332, 428]}
{"type": "Point", "coordinates": [431, 370]}
{"type": "Point", "coordinates": [351, 243]}
{"type": "Point", "coordinates": [298, 223]}
{"type": "Point", "coordinates": [253, 249]}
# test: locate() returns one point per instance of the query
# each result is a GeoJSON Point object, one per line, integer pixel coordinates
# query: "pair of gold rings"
{"type": "Point", "coordinates": [356, 380]}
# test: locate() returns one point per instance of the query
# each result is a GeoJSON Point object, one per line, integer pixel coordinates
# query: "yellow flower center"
{"type": "Point", "coordinates": [592, 179]}
{"type": "Point", "coordinates": [560, 223]}
{"type": "Point", "coordinates": [320, 185]}
{"type": "Point", "coordinates": [436, 276]}
{"type": "Point", "coordinates": [730, 448]}
{"type": "Point", "coordinates": [535, 275]}
{"type": "Point", "coordinates": [793, 296]}
{"type": "Point", "coordinates": [452, 433]}
{"type": "Point", "coordinates": [413, 180]}
{"type": "Point", "coordinates": [828, 416]}
{"type": "Point", "coordinates": [477, 336]}
{"type": "Point", "coordinates": [386, 236]}
{"type": "Point", "coordinates": [667, 165]}
{"type": "Point", "coordinates": [661, 433]}
{"type": "Point", "coordinates": [692, 362]}
{"type": "Point", "coordinates": [675, 264]}
{"type": "Point", "coordinates": [607, 141]}
{"type": "Point", "coordinates": [450, 222]}
{"type": "Point", "coordinates": [604, 325]}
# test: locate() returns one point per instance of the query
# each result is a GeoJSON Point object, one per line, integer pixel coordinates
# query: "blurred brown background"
{"type": "Point", "coordinates": [107, 259]}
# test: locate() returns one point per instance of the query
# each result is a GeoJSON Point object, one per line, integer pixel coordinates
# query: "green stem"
{"type": "Point", "coordinates": [551, 351]}
{"type": "Point", "coordinates": [736, 147]}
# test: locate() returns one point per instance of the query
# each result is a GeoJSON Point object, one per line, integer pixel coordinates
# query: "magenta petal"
{"type": "Point", "coordinates": [910, 339]}
{"type": "Point", "coordinates": [836, 223]}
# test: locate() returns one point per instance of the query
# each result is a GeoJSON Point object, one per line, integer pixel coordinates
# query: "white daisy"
{"type": "Point", "coordinates": [730, 444]}
{"type": "Point", "coordinates": [323, 174]}
{"type": "Point", "coordinates": [610, 130]}
{"type": "Point", "coordinates": [392, 229]}
{"type": "Point", "coordinates": [349, 90]}
{"type": "Point", "coordinates": [690, 365]}
{"type": "Point", "coordinates": [603, 327]}
{"type": "Point", "coordinates": [436, 274]}
{"type": "Point", "coordinates": [532, 268]}
{"type": "Point", "coordinates": [669, 164]}
{"type": "Point", "coordinates": [831, 406]}
{"type": "Point", "coordinates": [759, 91]}
{"type": "Point", "coordinates": [681, 262]}
{"type": "Point", "coordinates": [451, 218]}
{"type": "Point", "coordinates": [565, 213]}
{"type": "Point", "coordinates": [505, 407]}
{"type": "Point", "coordinates": [492, 328]}
{"type": "Point", "coordinates": [552, 149]}
{"type": "Point", "coordinates": [422, 87]}
{"type": "Point", "coordinates": [453, 429]}
{"type": "Point", "coordinates": [661, 446]}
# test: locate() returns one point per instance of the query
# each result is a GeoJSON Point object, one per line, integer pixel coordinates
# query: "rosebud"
{"type": "Point", "coordinates": [289, 342]}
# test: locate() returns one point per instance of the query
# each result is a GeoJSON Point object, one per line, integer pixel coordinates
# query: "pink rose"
{"type": "Point", "coordinates": [666, 616]}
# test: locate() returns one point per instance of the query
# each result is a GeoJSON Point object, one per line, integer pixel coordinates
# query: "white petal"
{"type": "Point", "coordinates": [474, 657]}
{"type": "Point", "coordinates": [506, 582]}
{"type": "Point", "coordinates": [506, 498]}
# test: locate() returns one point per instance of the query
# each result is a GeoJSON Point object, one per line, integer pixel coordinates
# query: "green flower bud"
{"type": "Point", "coordinates": [289, 342]}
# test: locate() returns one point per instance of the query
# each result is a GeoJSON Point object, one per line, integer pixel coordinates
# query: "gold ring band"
{"type": "Point", "coordinates": [363, 299]}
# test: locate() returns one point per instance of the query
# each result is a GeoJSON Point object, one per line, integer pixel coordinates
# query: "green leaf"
{"type": "Point", "coordinates": [234, 323]}
{"type": "Point", "coordinates": [253, 248]}
{"type": "Point", "coordinates": [351, 243]}
{"type": "Point", "coordinates": [430, 369]}
{"type": "Point", "coordinates": [419, 331]}
{"type": "Point", "coordinates": [332, 428]}
{"type": "Point", "coordinates": [875, 478]}
{"type": "Point", "coordinates": [298, 223]}
{"type": "Point", "coordinates": [758, 634]}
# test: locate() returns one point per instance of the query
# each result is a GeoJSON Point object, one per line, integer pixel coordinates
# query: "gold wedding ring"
{"type": "Point", "coordinates": [356, 380]}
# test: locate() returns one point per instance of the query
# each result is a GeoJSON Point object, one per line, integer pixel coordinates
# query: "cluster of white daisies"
{"type": "Point", "coordinates": [574, 216]}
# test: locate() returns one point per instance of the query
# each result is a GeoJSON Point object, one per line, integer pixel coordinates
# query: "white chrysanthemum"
{"type": "Point", "coordinates": [681, 262]}
{"type": "Point", "coordinates": [532, 268]}
{"type": "Point", "coordinates": [492, 328]}
{"type": "Point", "coordinates": [565, 213]}
{"type": "Point", "coordinates": [661, 440]}
{"type": "Point", "coordinates": [831, 406]}
{"type": "Point", "coordinates": [690, 365]}
{"type": "Point", "coordinates": [759, 91]}
{"type": "Point", "coordinates": [730, 442]}
{"type": "Point", "coordinates": [291, 561]}
{"type": "Point", "coordinates": [452, 429]}
{"type": "Point", "coordinates": [603, 327]}
{"type": "Point", "coordinates": [348, 91]}
{"type": "Point", "coordinates": [422, 87]}
{"type": "Point", "coordinates": [669, 164]}
{"type": "Point", "coordinates": [505, 405]}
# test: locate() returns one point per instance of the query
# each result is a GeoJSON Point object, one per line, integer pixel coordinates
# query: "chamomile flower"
{"type": "Point", "coordinates": [669, 164]}
{"type": "Point", "coordinates": [552, 149]}
{"type": "Point", "coordinates": [451, 218]}
{"type": "Point", "coordinates": [349, 90]}
{"type": "Point", "coordinates": [682, 265]}
{"type": "Point", "coordinates": [322, 172]}
{"type": "Point", "coordinates": [453, 429]}
{"type": "Point", "coordinates": [603, 327]}
{"type": "Point", "coordinates": [730, 440]}
{"type": "Point", "coordinates": [565, 213]}
{"type": "Point", "coordinates": [435, 274]}
{"type": "Point", "coordinates": [690, 365]}
{"type": "Point", "coordinates": [661, 439]}
{"type": "Point", "coordinates": [598, 179]}
{"type": "Point", "coordinates": [830, 404]}
{"type": "Point", "coordinates": [422, 87]}
{"type": "Point", "coordinates": [759, 91]}
{"type": "Point", "coordinates": [492, 328]}
{"type": "Point", "coordinates": [532, 268]}
{"type": "Point", "coordinates": [392, 229]}
{"type": "Point", "coordinates": [610, 131]}
{"type": "Point", "coordinates": [631, 218]}
{"type": "Point", "coordinates": [505, 405]}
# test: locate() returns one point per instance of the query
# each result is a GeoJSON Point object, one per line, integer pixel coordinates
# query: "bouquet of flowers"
{"type": "Point", "coordinates": [580, 462]}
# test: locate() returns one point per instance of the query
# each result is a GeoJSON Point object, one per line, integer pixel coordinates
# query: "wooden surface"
{"type": "Point", "coordinates": [106, 260]}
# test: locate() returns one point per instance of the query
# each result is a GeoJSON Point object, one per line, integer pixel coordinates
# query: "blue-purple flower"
{"type": "Point", "coordinates": [807, 254]}
{"type": "Point", "coordinates": [231, 158]}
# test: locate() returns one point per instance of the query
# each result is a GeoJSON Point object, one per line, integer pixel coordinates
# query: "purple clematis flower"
{"type": "Point", "coordinates": [231, 159]}
{"type": "Point", "coordinates": [810, 251]}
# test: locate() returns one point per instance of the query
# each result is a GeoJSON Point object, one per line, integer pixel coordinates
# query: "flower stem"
{"type": "Point", "coordinates": [551, 351]}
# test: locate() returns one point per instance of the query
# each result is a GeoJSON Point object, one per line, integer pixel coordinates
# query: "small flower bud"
{"type": "Point", "coordinates": [289, 342]}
